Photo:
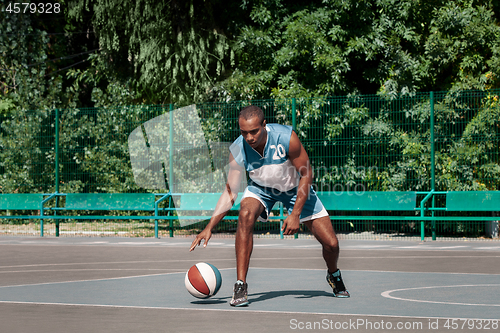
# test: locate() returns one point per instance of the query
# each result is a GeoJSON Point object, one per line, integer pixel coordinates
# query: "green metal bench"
{"type": "Point", "coordinates": [101, 202]}
{"type": "Point", "coordinates": [466, 202]}
{"type": "Point", "coordinates": [456, 201]}
{"type": "Point", "coordinates": [191, 203]}
{"type": "Point", "coordinates": [473, 201]}
{"type": "Point", "coordinates": [202, 201]}
{"type": "Point", "coordinates": [188, 206]}
{"type": "Point", "coordinates": [373, 201]}
{"type": "Point", "coordinates": [200, 206]}
{"type": "Point", "coordinates": [20, 201]}
{"type": "Point", "coordinates": [110, 201]}
{"type": "Point", "coordinates": [197, 206]}
{"type": "Point", "coordinates": [368, 201]}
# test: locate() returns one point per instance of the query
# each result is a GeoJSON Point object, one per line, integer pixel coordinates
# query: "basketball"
{"type": "Point", "coordinates": [203, 280]}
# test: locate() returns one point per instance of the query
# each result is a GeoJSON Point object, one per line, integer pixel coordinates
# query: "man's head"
{"type": "Point", "coordinates": [250, 112]}
{"type": "Point", "coordinates": [252, 126]}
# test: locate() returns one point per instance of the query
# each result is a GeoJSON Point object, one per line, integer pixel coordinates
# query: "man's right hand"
{"type": "Point", "coordinates": [204, 235]}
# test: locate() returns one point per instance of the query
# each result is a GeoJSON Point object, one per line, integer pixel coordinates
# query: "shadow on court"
{"type": "Point", "coordinates": [297, 294]}
{"type": "Point", "coordinates": [265, 296]}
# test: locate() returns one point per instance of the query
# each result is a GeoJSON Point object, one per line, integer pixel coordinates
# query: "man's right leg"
{"type": "Point", "coordinates": [250, 209]}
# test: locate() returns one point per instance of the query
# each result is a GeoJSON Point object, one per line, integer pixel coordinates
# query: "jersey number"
{"type": "Point", "coordinates": [278, 152]}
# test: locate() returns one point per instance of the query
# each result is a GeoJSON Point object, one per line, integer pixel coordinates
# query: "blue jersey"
{"type": "Point", "coordinates": [274, 169]}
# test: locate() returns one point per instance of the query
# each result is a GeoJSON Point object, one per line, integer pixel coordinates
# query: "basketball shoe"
{"type": "Point", "coordinates": [240, 295]}
{"type": "Point", "coordinates": [335, 281]}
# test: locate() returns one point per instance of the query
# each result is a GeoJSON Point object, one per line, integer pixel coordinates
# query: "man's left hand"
{"type": "Point", "coordinates": [291, 225]}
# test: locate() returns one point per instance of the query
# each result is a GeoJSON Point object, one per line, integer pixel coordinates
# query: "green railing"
{"type": "Point", "coordinates": [441, 141]}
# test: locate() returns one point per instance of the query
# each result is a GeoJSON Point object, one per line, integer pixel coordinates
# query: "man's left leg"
{"type": "Point", "coordinates": [322, 230]}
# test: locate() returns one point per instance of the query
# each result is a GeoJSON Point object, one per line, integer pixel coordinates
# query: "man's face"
{"type": "Point", "coordinates": [253, 131]}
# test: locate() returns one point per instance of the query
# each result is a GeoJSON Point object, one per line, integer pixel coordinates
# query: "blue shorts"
{"type": "Point", "coordinates": [313, 208]}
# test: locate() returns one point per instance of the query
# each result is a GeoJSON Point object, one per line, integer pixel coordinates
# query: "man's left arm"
{"type": "Point", "coordinates": [300, 160]}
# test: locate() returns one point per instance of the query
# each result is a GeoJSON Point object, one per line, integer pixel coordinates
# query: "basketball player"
{"type": "Point", "coordinates": [279, 170]}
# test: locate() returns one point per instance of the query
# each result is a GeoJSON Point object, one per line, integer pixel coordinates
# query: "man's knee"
{"type": "Point", "coordinates": [331, 245]}
{"type": "Point", "coordinates": [329, 241]}
{"type": "Point", "coordinates": [246, 219]}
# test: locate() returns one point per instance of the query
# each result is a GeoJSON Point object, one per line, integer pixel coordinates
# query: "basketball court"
{"type": "Point", "coordinates": [137, 285]}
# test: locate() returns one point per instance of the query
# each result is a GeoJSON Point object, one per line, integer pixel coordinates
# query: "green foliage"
{"type": "Point", "coordinates": [326, 48]}
{"type": "Point", "coordinates": [471, 161]}
{"type": "Point", "coordinates": [173, 51]}
{"type": "Point", "coordinates": [24, 81]}
{"type": "Point", "coordinates": [6, 105]}
{"type": "Point", "coordinates": [461, 45]}
{"type": "Point", "coordinates": [355, 143]}
{"type": "Point", "coordinates": [25, 150]}
{"type": "Point", "coordinates": [384, 144]}
{"type": "Point", "coordinates": [192, 51]}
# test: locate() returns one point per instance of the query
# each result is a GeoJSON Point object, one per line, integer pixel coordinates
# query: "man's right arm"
{"type": "Point", "coordinates": [224, 204]}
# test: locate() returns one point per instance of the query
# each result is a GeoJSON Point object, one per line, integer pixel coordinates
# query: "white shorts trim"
{"type": "Point", "coordinates": [249, 194]}
{"type": "Point", "coordinates": [315, 216]}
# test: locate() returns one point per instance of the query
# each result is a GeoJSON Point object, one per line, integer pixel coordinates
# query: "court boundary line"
{"type": "Point", "coordinates": [233, 259]}
{"type": "Point", "coordinates": [87, 269]}
{"type": "Point", "coordinates": [232, 268]}
{"type": "Point", "coordinates": [91, 280]}
{"type": "Point", "coordinates": [469, 246]}
{"type": "Point", "coordinates": [376, 271]}
{"type": "Point", "coordinates": [387, 294]}
{"type": "Point", "coordinates": [246, 310]}
{"type": "Point", "coordinates": [235, 310]}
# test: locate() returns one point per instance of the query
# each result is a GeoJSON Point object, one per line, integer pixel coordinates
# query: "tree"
{"type": "Point", "coordinates": [325, 48]}
{"type": "Point", "coordinates": [24, 80]}
{"type": "Point", "coordinates": [174, 51]}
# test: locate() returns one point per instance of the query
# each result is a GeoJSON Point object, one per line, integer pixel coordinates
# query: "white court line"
{"type": "Point", "coordinates": [88, 269]}
{"type": "Point", "coordinates": [387, 294]}
{"type": "Point", "coordinates": [102, 279]}
{"type": "Point", "coordinates": [235, 309]}
{"type": "Point", "coordinates": [227, 310]}
{"type": "Point", "coordinates": [232, 259]}
{"type": "Point", "coordinates": [374, 271]}
{"type": "Point", "coordinates": [152, 261]}
{"type": "Point", "coordinates": [104, 242]}
{"type": "Point", "coordinates": [449, 247]}
{"type": "Point", "coordinates": [366, 246]}
{"type": "Point", "coordinates": [91, 280]}
{"type": "Point", "coordinates": [105, 263]}
{"type": "Point", "coordinates": [148, 275]}
{"type": "Point", "coordinates": [423, 257]}
{"type": "Point", "coordinates": [417, 247]}
{"type": "Point", "coordinates": [140, 243]}
{"type": "Point", "coordinates": [429, 247]}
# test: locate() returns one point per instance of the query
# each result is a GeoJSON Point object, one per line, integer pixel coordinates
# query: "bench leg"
{"type": "Point", "coordinates": [422, 231]}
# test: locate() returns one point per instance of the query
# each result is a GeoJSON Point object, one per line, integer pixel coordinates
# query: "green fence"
{"type": "Point", "coordinates": [443, 141]}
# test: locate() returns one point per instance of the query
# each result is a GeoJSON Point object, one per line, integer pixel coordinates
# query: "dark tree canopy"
{"type": "Point", "coordinates": [149, 52]}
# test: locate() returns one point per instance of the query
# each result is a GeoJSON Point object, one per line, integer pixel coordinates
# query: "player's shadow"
{"type": "Point", "coordinates": [264, 296]}
{"type": "Point", "coordinates": [210, 301]}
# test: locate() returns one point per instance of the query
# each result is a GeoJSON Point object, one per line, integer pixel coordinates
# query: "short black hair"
{"type": "Point", "coordinates": [250, 112]}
